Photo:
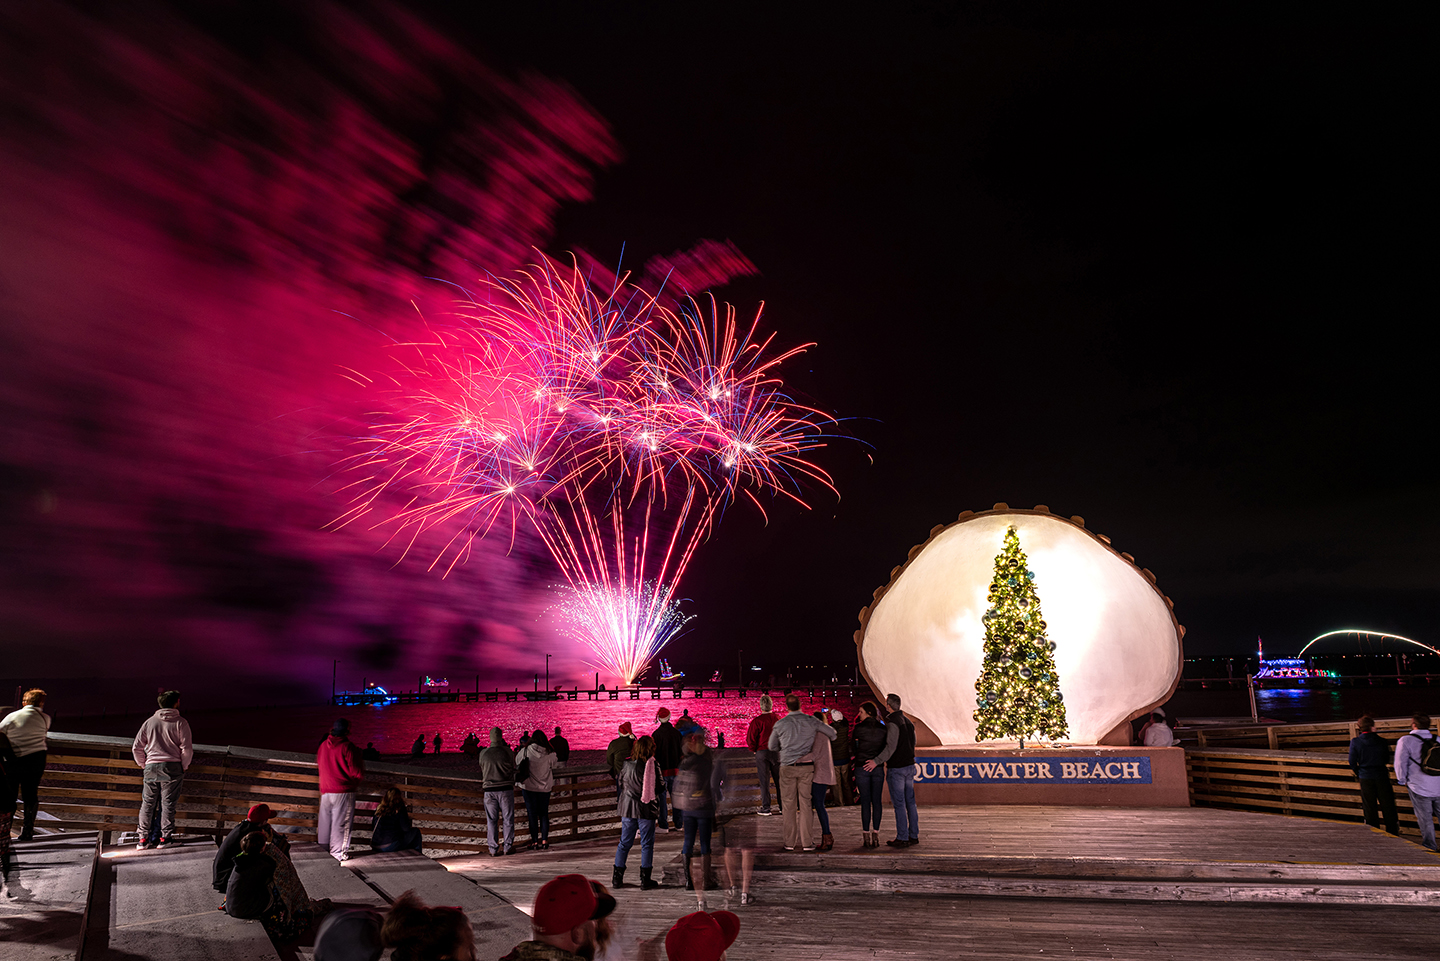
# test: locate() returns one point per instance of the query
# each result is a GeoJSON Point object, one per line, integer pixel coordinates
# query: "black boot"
{"type": "Point", "coordinates": [618, 880]}
{"type": "Point", "coordinates": [712, 883]}
{"type": "Point", "coordinates": [689, 878]}
{"type": "Point", "coordinates": [646, 884]}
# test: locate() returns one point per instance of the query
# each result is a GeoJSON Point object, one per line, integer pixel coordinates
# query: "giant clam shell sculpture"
{"type": "Point", "coordinates": [1117, 643]}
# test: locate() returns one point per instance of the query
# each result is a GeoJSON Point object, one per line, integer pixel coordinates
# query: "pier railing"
{"type": "Point", "coordinates": [1309, 783]}
{"type": "Point", "coordinates": [92, 783]}
{"type": "Point", "coordinates": [1331, 736]}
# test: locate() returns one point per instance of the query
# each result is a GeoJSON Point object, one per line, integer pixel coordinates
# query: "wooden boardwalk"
{"type": "Point", "coordinates": [808, 908]}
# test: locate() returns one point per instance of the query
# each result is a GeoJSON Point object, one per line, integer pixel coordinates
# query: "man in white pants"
{"type": "Point", "coordinates": [341, 770]}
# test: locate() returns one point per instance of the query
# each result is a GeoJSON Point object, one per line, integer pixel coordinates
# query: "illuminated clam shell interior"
{"type": "Point", "coordinates": [1117, 648]}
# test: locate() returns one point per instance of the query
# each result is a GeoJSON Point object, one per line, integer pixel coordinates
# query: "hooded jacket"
{"type": "Point", "coordinates": [341, 766]}
{"type": "Point", "coordinates": [497, 764]}
{"type": "Point", "coordinates": [165, 736]}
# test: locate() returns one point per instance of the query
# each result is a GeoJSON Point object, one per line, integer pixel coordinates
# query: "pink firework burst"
{"type": "Point", "coordinates": [614, 427]}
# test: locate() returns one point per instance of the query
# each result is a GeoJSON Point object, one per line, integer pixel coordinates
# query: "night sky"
{"type": "Point", "coordinates": [1159, 268]}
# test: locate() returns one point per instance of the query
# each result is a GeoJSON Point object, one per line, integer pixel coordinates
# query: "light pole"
{"type": "Point", "coordinates": [547, 671]}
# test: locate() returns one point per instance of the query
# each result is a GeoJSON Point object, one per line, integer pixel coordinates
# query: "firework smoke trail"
{"type": "Point", "coordinates": [613, 427]}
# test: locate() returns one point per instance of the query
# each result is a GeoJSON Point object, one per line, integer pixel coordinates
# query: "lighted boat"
{"type": "Point", "coordinates": [1283, 672]}
{"type": "Point", "coordinates": [667, 675]}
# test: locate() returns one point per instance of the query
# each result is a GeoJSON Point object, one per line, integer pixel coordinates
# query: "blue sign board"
{"type": "Point", "coordinates": [1060, 769]}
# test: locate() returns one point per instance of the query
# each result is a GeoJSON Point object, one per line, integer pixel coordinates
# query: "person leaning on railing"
{"type": "Point", "coordinates": [27, 729]}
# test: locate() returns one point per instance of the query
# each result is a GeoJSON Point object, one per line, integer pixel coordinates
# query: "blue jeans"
{"type": "Point", "coordinates": [869, 785]}
{"type": "Point", "coordinates": [537, 812]}
{"type": "Point", "coordinates": [1425, 810]}
{"type": "Point", "coordinates": [901, 781]}
{"type": "Point", "coordinates": [628, 829]}
{"type": "Point", "coordinates": [817, 801]}
{"type": "Point", "coordinates": [697, 827]}
{"type": "Point", "coordinates": [500, 804]}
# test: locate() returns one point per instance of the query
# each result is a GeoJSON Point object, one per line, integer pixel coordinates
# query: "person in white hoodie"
{"type": "Point", "coordinates": [1424, 788]}
{"type": "Point", "coordinates": [164, 749]}
{"type": "Point", "coordinates": [27, 729]}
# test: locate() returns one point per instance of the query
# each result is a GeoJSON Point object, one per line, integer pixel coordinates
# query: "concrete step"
{"type": "Point", "coordinates": [1105, 878]}
{"type": "Point", "coordinates": [159, 904]}
{"type": "Point", "coordinates": [43, 906]}
{"type": "Point", "coordinates": [499, 925]}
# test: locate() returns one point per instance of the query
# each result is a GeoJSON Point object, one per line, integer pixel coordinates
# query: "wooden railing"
{"type": "Point", "coordinates": [1331, 736]}
{"type": "Point", "coordinates": [92, 783]}
{"type": "Point", "coordinates": [1309, 783]}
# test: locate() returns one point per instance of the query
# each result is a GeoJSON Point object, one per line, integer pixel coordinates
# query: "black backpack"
{"type": "Point", "coordinates": [1429, 759]}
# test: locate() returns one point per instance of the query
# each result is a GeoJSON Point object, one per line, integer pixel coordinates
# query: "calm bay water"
{"type": "Point", "coordinates": [590, 725]}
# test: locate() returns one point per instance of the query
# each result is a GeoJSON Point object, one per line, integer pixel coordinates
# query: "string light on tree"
{"type": "Point", "coordinates": [1018, 691]}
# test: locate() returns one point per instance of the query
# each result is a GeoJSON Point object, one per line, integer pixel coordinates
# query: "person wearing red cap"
{"type": "Point", "coordinates": [618, 752]}
{"type": "Point", "coordinates": [257, 820]}
{"type": "Point", "coordinates": [568, 921]}
{"type": "Point", "coordinates": [702, 937]}
{"type": "Point", "coordinates": [668, 752]}
{"type": "Point", "coordinates": [767, 764]}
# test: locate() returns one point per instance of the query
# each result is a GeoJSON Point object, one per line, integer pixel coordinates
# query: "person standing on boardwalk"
{"type": "Point", "coordinates": [668, 753]}
{"type": "Point", "coordinates": [341, 771]}
{"type": "Point", "coordinates": [27, 729]}
{"type": "Point", "coordinates": [757, 739]}
{"type": "Point", "coordinates": [640, 792]}
{"type": "Point", "coordinates": [497, 773]}
{"type": "Point", "coordinates": [538, 762]}
{"type": "Point", "coordinates": [697, 792]}
{"type": "Point", "coordinates": [437, 742]}
{"type": "Point", "coordinates": [793, 737]}
{"type": "Point", "coordinates": [1411, 754]}
{"type": "Point", "coordinates": [561, 747]}
{"type": "Point", "coordinates": [899, 756]}
{"type": "Point", "coordinates": [840, 756]}
{"type": "Point", "coordinates": [164, 749]}
{"type": "Point", "coordinates": [824, 780]}
{"type": "Point", "coordinates": [867, 741]}
{"type": "Point", "coordinates": [1369, 755]}
{"type": "Point", "coordinates": [617, 752]}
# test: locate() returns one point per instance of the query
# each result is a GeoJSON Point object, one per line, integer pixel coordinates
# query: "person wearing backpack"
{"type": "Point", "coordinates": [1417, 768]}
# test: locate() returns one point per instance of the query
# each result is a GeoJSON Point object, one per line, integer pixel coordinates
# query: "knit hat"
{"type": "Point", "coordinates": [258, 813]}
{"type": "Point", "coordinates": [340, 728]}
{"type": "Point", "coordinates": [568, 901]}
{"type": "Point", "coordinates": [626, 728]}
{"type": "Point", "coordinates": [701, 936]}
{"type": "Point", "coordinates": [663, 714]}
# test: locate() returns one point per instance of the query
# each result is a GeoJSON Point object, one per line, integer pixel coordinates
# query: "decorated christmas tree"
{"type": "Point", "coordinates": [1018, 693]}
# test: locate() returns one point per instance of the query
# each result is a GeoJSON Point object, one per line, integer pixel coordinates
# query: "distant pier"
{"type": "Point", "coordinates": [821, 693]}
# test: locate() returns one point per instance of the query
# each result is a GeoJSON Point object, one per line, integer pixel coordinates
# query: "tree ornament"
{"type": "Point", "coordinates": [1025, 672]}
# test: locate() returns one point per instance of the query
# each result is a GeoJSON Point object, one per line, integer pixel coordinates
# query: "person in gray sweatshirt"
{"type": "Point", "coordinates": [497, 768]}
{"type": "Point", "coordinates": [164, 749]}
